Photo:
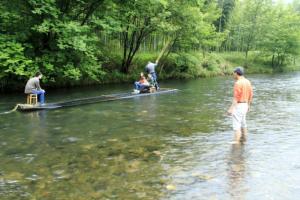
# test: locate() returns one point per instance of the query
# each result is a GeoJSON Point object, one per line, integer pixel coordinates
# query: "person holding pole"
{"type": "Point", "coordinates": [242, 98]}
{"type": "Point", "coordinates": [150, 69]}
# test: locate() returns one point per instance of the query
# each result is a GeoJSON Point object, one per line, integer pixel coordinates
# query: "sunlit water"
{"type": "Point", "coordinates": [170, 146]}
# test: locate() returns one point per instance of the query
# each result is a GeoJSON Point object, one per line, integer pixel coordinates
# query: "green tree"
{"type": "Point", "coordinates": [226, 7]}
{"type": "Point", "coordinates": [245, 25]}
{"type": "Point", "coordinates": [138, 19]}
{"type": "Point", "coordinates": [57, 35]}
{"type": "Point", "coordinates": [190, 25]}
{"type": "Point", "coordinates": [281, 39]}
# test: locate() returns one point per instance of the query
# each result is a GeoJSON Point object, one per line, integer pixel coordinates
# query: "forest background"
{"type": "Point", "coordinates": [85, 42]}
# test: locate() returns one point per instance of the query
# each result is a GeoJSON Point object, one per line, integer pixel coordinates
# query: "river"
{"type": "Point", "coordinates": [171, 146]}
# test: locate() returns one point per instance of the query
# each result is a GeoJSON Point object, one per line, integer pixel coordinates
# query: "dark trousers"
{"type": "Point", "coordinates": [154, 77]}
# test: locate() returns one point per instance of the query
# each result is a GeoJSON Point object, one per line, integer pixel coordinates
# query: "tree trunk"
{"type": "Point", "coordinates": [294, 60]}
{"type": "Point", "coordinates": [90, 10]}
{"type": "Point", "coordinates": [125, 46]}
{"type": "Point", "coordinates": [221, 17]}
{"type": "Point", "coordinates": [246, 57]}
{"type": "Point", "coordinates": [133, 44]}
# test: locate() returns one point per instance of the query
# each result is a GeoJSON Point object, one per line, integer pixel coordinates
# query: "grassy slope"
{"type": "Point", "coordinates": [194, 65]}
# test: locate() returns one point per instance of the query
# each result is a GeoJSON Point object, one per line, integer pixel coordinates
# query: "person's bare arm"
{"type": "Point", "coordinates": [250, 99]}
{"type": "Point", "coordinates": [234, 100]}
{"type": "Point", "coordinates": [37, 85]}
{"type": "Point", "coordinates": [231, 108]}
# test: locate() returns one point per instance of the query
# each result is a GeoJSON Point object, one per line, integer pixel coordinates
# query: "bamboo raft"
{"type": "Point", "coordinates": [90, 100]}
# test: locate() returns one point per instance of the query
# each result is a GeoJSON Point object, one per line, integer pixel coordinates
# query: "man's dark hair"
{"type": "Point", "coordinates": [38, 74]}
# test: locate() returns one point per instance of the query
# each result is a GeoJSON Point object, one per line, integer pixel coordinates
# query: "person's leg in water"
{"type": "Point", "coordinates": [244, 125]}
{"type": "Point", "coordinates": [237, 124]}
{"type": "Point", "coordinates": [244, 134]}
{"type": "Point", "coordinates": [238, 136]}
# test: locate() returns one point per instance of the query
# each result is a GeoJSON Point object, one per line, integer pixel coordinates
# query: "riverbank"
{"type": "Point", "coordinates": [196, 65]}
{"type": "Point", "coordinates": [190, 65]}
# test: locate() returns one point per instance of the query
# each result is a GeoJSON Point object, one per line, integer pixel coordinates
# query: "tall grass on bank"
{"type": "Point", "coordinates": [191, 65]}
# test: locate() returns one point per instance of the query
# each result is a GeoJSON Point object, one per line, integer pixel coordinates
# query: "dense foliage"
{"type": "Point", "coordinates": [271, 29]}
{"type": "Point", "coordinates": [89, 41]}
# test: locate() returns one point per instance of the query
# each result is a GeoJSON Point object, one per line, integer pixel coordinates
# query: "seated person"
{"type": "Point", "coordinates": [141, 85]}
{"type": "Point", "coordinates": [33, 87]}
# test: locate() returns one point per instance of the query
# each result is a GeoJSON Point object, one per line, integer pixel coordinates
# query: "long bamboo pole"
{"type": "Point", "coordinates": [163, 51]}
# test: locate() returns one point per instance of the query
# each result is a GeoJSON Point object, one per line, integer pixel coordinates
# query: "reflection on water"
{"type": "Point", "coordinates": [236, 171]}
{"type": "Point", "coordinates": [173, 146]}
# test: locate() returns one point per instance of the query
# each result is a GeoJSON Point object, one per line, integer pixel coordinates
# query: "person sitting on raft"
{"type": "Point", "coordinates": [140, 85]}
{"type": "Point", "coordinates": [33, 87]}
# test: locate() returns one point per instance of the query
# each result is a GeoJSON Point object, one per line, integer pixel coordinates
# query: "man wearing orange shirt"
{"type": "Point", "coordinates": [242, 98]}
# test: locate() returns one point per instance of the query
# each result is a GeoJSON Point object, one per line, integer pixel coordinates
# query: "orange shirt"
{"type": "Point", "coordinates": [243, 91]}
{"type": "Point", "coordinates": [143, 80]}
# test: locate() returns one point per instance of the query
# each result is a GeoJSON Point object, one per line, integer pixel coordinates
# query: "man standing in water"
{"type": "Point", "coordinates": [150, 69]}
{"type": "Point", "coordinates": [33, 87]}
{"type": "Point", "coordinates": [242, 98]}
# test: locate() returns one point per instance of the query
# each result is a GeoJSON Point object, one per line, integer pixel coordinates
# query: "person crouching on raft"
{"type": "Point", "coordinates": [33, 87]}
{"type": "Point", "coordinates": [141, 84]}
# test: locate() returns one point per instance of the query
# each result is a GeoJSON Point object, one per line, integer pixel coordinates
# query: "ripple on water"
{"type": "Point", "coordinates": [167, 147]}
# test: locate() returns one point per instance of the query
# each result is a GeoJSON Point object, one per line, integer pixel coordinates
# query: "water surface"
{"type": "Point", "coordinates": [171, 146]}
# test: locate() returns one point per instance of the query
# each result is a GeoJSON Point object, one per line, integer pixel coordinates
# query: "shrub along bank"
{"type": "Point", "coordinates": [195, 65]}
{"type": "Point", "coordinates": [189, 65]}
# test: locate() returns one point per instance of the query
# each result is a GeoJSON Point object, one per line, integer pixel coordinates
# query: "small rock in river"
{"type": "Point", "coordinates": [88, 146]}
{"type": "Point", "coordinates": [58, 172]}
{"type": "Point", "coordinates": [157, 153]}
{"type": "Point", "coordinates": [202, 177]}
{"type": "Point", "coordinates": [171, 187]}
{"type": "Point", "coordinates": [71, 139]}
{"type": "Point", "coordinates": [112, 140]}
{"type": "Point", "coordinates": [141, 194]}
{"type": "Point", "coordinates": [33, 177]}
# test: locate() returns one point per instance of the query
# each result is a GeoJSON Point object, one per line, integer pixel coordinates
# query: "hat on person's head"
{"type": "Point", "coordinates": [239, 71]}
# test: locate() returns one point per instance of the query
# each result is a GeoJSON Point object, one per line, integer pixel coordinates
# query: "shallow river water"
{"type": "Point", "coordinates": [171, 146]}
